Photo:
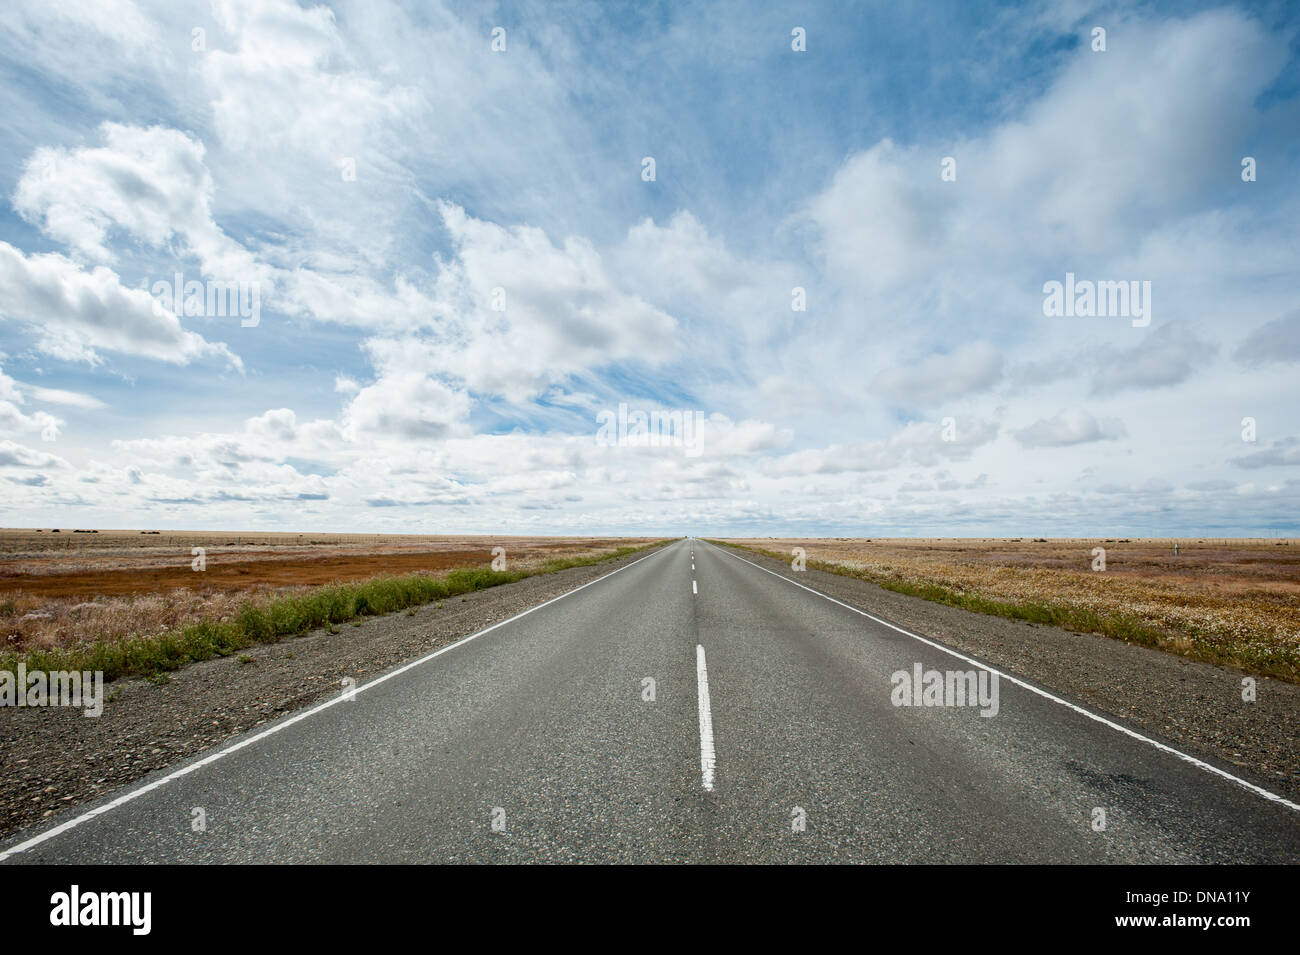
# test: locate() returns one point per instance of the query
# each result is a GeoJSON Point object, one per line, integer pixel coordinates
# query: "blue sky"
{"type": "Point", "coordinates": [439, 334]}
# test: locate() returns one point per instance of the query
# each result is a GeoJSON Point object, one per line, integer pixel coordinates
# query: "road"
{"type": "Point", "coordinates": [769, 735]}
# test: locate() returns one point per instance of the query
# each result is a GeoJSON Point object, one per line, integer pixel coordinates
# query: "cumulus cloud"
{"type": "Point", "coordinates": [14, 422]}
{"type": "Point", "coordinates": [968, 368]}
{"type": "Point", "coordinates": [1275, 341]}
{"type": "Point", "coordinates": [881, 223]}
{"type": "Point", "coordinates": [720, 437]}
{"type": "Point", "coordinates": [1065, 181]}
{"type": "Point", "coordinates": [1168, 356]}
{"type": "Point", "coordinates": [1114, 166]}
{"type": "Point", "coordinates": [406, 401]}
{"type": "Point", "coordinates": [1283, 452]}
{"type": "Point", "coordinates": [14, 455]}
{"type": "Point", "coordinates": [682, 260]}
{"type": "Point", "coordinates": [691, 272]}
{"type": "Point", "coordinates": [531, 313]}
{"type": "Point", "coordinates": [919, 443]}
{"type": "Point", "coordinates": [150, 183]}
{"type": "Point", "coordinates": [279, 424]}
{"type": "Point", "coordinates": [1068, 427]}
{"type": "Point", "coordinates": [290, 81]}
{"type": "Point", "coordinates": [270, 438]}
{"type": "Point", "coordinates": [75, 312]}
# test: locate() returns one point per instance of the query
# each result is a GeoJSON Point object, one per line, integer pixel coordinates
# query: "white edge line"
{"type": "Point", "coordinates": [1199, 763]}
{"type": "Point", "coordinates": [708, 756]}
{"type": "Point", "coordinates": [122, 800]}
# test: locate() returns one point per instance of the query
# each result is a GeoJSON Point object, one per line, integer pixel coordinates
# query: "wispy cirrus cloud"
{"type": "Point", "coordinates": [864, 339]}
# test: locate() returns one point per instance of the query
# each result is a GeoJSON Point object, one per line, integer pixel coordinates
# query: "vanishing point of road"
{"type": "Point", "coordinates": [691, 706]}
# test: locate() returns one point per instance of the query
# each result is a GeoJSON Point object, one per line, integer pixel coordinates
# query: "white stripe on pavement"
{"type": "Point", "coordinates": [285, 724]}
{"type": "Point", "coordinates": [708, 758]}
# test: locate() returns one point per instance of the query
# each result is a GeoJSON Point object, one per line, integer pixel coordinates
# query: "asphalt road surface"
{"type": "Point", "coordinates": [769, 734]}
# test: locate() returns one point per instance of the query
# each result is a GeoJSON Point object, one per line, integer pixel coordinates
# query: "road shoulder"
{"type": "Point", "coordinates": [1194, 706]}
{"type": "Point", "coordinates": [53, 759]}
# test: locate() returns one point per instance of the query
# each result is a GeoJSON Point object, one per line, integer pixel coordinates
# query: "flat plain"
{"type": "Point", "coordinates": [67, 586]}
{"type": "Point", "coordinates": [1230, 601]}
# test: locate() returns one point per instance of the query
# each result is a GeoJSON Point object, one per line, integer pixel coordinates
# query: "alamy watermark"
{"type": "Point", "coordinates": [650, 429]}
{"type": "Point", "coordinates": [129, 909]}
{"type": "Point", "coordinates": [210, 299]}
{"type": "Point", "coordinates": [1088, 299]}
{"type": "Point", "coordinates": [922, 687]}
{"type": "Point", "coordinates": [82, 688]}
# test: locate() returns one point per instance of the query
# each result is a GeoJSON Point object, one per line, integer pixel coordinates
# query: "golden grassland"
{"type": "Point", "coordinates": [1229, 601]}
{"type": "Point", "coordinates": [38, 551]}
{"type": "Point", "coordinates": [67, 590]}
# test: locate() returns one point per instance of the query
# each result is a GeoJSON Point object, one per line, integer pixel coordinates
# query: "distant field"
{"type": "Point", "coordinates": [136, 561]}
{"type": "Point", "coordinates": [1233, 601]}
{"type": "Point", "coordinates": [58, 589]}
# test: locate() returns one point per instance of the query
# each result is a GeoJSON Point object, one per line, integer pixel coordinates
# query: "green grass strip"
{"type": "Point", "coordinates": [1275, 660]}
{"type": "Point", "coordinates": [269, 620]}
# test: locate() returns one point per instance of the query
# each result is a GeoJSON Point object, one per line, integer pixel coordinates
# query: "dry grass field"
{"type": "Point", "coordinates": [1233, 601]}
{"type": "Point", "coordinates": [67, 587]}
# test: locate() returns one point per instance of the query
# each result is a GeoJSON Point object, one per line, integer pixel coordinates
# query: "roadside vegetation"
{"type": "Point", "coordinates": [1256, 630]}
{"type": "Point", "coordinates": [269, 618]}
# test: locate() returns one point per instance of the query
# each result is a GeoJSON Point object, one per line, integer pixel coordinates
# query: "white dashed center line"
{"type": "Point", "coordinates": [708, 758]}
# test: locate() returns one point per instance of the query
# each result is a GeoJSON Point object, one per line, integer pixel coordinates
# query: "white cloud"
{"type": "Point", "coordinates": [1071, 426]}
{"type": "Point", "coordinates": [1275, 341]}
{"type": "Point", "coordinates": [1074, 180]}
{"type": "Point", "coordinates": [881, 221]}
{"type": "Point", "coordinates": [14, 422]}
{"type": "Point", "coordinates": [75, 312]}
{"type": "Point", "coordinates": [1282, 452]}
{"type": "Point", "coordinates": [1168, 356]}
{"type": "Point", "coordinates": [919, 443]}
{"type": "Point", "coordinates": [13, 455]}
{"type": "Point", "coordinates": [563, 312]}
{"type": "Point", "coordinates": [290, 82]}
{"type": "Point", "coordinates": [405, 401]}
{"type": "Point", "coordinates": [150, 183]}
{"type": "Point", "coordinates": [58, 396]}
{"type": "Point", "coordinates": [922, 294]}
{"type": "Point", "coordinates": [968, 368]}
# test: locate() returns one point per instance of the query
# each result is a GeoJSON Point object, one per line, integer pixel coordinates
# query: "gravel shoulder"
{"type": "Point", "coordinates": [53, 759]}
{"type": "Point", "coordinates": [1196, 707]}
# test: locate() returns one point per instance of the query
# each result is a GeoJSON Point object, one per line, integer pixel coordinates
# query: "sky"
{"type": "Point", "coordinates": [812, 245]}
